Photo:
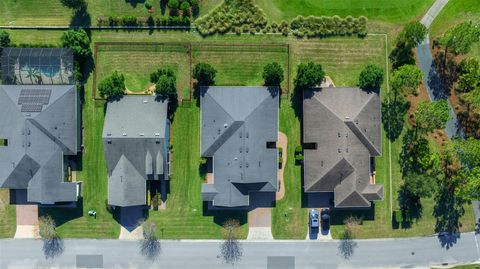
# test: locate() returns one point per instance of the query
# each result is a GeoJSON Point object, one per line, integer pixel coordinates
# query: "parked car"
{"type": "Point", "coordinates": [325, 218]}
{"type": "Point", "coordinates": [313, 219]}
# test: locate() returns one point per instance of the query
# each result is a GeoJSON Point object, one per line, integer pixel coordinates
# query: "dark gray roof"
{"type": "Point", "coordinates": [135, 140]}
{"type": "Point", "coordinates": [345, 125]}
{"type": "Point", "coordinates": [236, 124]}
{"type": "Point", "coordinates": [40, 123]}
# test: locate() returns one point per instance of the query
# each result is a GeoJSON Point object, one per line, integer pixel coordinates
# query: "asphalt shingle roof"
{"type": "Point", "coordinates": [41, 124]}
{"type": "Point", "coordinates": [236, 124]}
{"type": "Point", "coordinates": [135, 140]}
{"type": "Point", "coordinates": [344, 123]}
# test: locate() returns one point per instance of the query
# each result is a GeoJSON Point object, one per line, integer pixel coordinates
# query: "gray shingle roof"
{"type": "Point", "coordinates": [41, 125]}
{"type": "Point", "coordinates": [135, 140]}
{"type": "Point", "coordinates": [236, 124]}
{"type": "Point", "coordinates": [345, 125]}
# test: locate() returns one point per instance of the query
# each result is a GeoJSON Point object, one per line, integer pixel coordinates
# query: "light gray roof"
{"type": "Point", "coordinates": [135, 140]}
{"type": "Point", "coordinates": [236, 124]}
{"type": "Point", "coordinates": [40, 123]}
{"type": "Point", "coordinates": [345, 125]}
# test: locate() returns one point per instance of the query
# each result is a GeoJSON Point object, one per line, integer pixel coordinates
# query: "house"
{"type": "Point", "coordinates": [136, 144]}
{"type": "Point", "coordinates": [40, 128]}
{"type": "Point", "coordinates": [239, 130]}
{"type": "Point", "coordinates": [341, 137]}
{"type": "Point", "coordinates": [37, 66]}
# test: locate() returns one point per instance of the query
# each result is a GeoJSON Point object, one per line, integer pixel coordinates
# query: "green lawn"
{"type": "Point", "coordinates": [466, 266]}
{"type": "Point", "coordinates": [241, 65]}
{"type": "Point", "coordinates": [400, 11]}
{"type": "Point", "coordinates": [77, 223]}
{"type": "Point", "coordinates": [185, 216]}
{"type": "Point", "coordinates": [136, 62]}
{"type": "Point", "coordinates": [7, 213]}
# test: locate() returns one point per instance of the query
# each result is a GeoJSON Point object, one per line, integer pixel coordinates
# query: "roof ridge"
{"type": "Point", "coordinates": [42, 129]}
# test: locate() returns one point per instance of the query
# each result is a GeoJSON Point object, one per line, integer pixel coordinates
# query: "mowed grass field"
{"type": "Point", "coordinates": [7, 215]}
{"type": "Point", "coordinates": [137, 62]}
{"type": "Point", "coordinates": [400, 11]}
{"type": "Point", "coordinates": [242, 64]}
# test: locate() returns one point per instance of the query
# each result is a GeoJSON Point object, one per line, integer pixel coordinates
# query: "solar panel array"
{"type": "Point", "coordinates": [33, 100]}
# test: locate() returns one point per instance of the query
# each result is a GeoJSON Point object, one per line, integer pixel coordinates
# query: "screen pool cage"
{"type": "Point", "coordinates": [37, 66]}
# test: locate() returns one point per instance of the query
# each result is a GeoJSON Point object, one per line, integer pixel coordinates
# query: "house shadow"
{"type": "Point", "coordinates": [62, 212]}
{"type": "Point", "coordinates": [221, 215]}
{"type": "Point", "coordinates": [130, 217]}
{"type": "Point", "coordinates": [338, 216]}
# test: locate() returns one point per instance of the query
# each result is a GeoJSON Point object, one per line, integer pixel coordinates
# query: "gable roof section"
{"type": "Point", "coordinates": [40, 129]}
{"type": "Point", "coordinates": [345, 125]}
{"type": "Point", "coordinates": [236, 124]}
{"type": "Point", "coordinates": [135, 141]}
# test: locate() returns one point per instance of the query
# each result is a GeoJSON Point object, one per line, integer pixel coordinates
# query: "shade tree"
{"type": "Point", "coordinates": [204, 73]}
{"type": "Point", "coordinates": [371, 77]}
{"type": "Point", "coordinates": [272, 74]}
{"type": "Point", "coordinates": [308, 75]}
{"type": "Point", "coordinates": [112, 86]}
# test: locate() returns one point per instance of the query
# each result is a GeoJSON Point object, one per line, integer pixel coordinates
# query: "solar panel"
{"type": "Point", "coordinates": [33, 100]}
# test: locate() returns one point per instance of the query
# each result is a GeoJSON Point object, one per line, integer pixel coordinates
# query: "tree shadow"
{"type": "Point", "coordinates": [393, 118]}
{"type": "Point", "coordinates": [52, 247]}
{"type": "Point", "coordinates": [163, 6]}
{"type": "Point", "coordinates": [81, 18]}
{"type": "Point", "coordinates": [447, 211]}
{"type": "Point", "coordinates": [401, 55]}
{"type": "Point", "coordinates": [150, 248]}
{"type": "Point", "coordinates": [347, 246]}
{"type": "Point", "coordinates": [442, 76]}
{"type": "Point", "coordinates": [410, 207]}
{"type": "Point", "coordinates": [134, 3]}
{"type": "Point", "coordinates": [296, 101]}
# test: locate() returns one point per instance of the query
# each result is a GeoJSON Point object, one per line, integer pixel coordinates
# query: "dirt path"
{"type": "Point", "coordinates": [27, 221]}
{"type": "Point", "coordinates": [282, 143]}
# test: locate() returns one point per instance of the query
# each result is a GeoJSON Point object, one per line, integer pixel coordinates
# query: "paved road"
{"type": "Point", "coordinates": [411, 252]}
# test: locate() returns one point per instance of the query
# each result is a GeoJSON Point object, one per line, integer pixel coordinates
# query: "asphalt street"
{"type": "Point", "coordinates": [384, 253]}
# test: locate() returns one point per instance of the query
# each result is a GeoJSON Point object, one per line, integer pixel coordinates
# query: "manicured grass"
{"type": "Point", "coordinates": [400, 11]}
{"type": "Point", "coordinates": [7, 215]}
{"type": "Point", "coordinates": [466, 266]}
{"type": "Point", "coordinates": [136, 62]}
{"type": "Point", "coordinates": [76, 222]}
{"type": "Point", "coordinates": [185, 216]}
{"type": "Point", "coordinates": [241, 65]}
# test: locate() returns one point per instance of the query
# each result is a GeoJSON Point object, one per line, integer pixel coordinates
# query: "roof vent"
{"type": "Point", "coordinates": [145, 101]}
{"type": "Point", "coordinates": [157, 134]}
{"type": "Point", "coordinates": [225, 125]}
{"type": "Point", "coordinates": [109, 134]}
{"type": "Point", "coordinates": [124, 134]}
{"type": "Point", "coordinates": [142, 134]}
{"type": "Point", "coordinates": [235, 158]}
{"type": "Point", "coordinates": [347, 117]}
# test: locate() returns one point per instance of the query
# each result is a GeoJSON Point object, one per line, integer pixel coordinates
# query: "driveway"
{"type": "Point", "coordinates": [319, 234]}
{"type": "Point", "coordinates": [27, 221]}
{"type": "Point", "coordinates": [260, 224]}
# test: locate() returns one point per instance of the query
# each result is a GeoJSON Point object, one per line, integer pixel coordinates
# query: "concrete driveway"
{"type": "Point", "coordinates": [260, 224]}
{"type": "Point", "coordinates": [27, 221]}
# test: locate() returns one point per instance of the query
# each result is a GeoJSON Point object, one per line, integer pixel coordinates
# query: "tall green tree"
{"type": "Point", "coordinates": [308, 75]}
{"type": "Point", "coordinates": [112, 86]}
{"type": "Point", "coordinates": [468, 151]}
{"type": "Point", "coordinates": [78, 41]}
{"type": "Point", "coordinates": [460, 38]}
{"type": "Point", "coordinates": [469, 71]}
{"type": "Point", "coordinates": [470, 184]}
{"type": "Point", "coordinates": [371, 77]}
{"type": "Point", "coordinates": [430, 116]}
{"type": "Point", "coordinates": [420, 185]}
{"type": "Point", "coordinates": [413, 34]}
{"type": "Point", "coordinates": [154, 76]}
{"type": "Point", "coordinates": [272, 74]}
{"type": "Point", "coordinates": [166, 86]}
{"type": "Point", "coordinates": [406, 80]}
{"type": "Point", "coordinates": [204, 74]}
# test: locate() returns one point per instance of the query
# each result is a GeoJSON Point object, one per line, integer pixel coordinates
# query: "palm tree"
{"type": "Point", "coordinates": [32, 73]}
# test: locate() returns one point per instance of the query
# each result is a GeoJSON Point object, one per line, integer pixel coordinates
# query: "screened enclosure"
{"type": "Point", "coordinates": [37, 66]}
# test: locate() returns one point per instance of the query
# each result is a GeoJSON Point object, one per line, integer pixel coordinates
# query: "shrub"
{"type": "Point", "coordinates": [172, 4]}
{"type": "Point", "coordinates": [299, 158]}
{"type": "Point", "coordinates": [166, 86]}
{"type": "Point", "coordinates": [308, 75]}
{"type": "Point", "coordinates": [204, 74]}
{"type": "Point", "coordinates": [161, 71]}
{"type": "Point", "coordinates": [326, 26]}
{"type": "Point", "coordinates": [148, 5]}
{"type": "Point", "coordinates": [112, 86]}
{"type": "Point", "coordinates": [78, 41]}
{"type": "Point", "coordinates": [272, 74]}
{"type": "Point", "coordinates": [370, 78]}
{"type": "Point", "coordinates": [4, 39]}
{"type": "Point", "coordinates": [298, 150]}
{"type": "Point", "coordinates": [185, 7]}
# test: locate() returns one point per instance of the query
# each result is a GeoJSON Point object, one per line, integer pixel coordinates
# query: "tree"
{"type": "Point", "coordinates": [272, 74]}
{"type": "Point", "coordinates": [112, 86]}
{"type": "Point", "coordinates": [78, 41]}
{"type": "Point", "coordinates": [74, 4]}
{"type": "Point", "coordinates": [413, 34]}
{"type": "Point", "coordinates": [460, 38]}
{"type": "Point", "coordinates": [185, 7]}
{"type": "Point", "coordinates": [470, 184]}
{"type": "Point", "coordinates": [166, 86]}
{"type": "Point", "coordinates": [52, 245]}
{"type": "Point", "coordinates": [370, 78]}
{"type": "Point", "coordinates": [204, 74]}
{"type": "Point", "coordinates": [161, 71]}
{"type": "Point", "coordinates": [406, 80]}
{"type": "Point", "coordinates": [420, 185]}
{"type": "Point", "coordinates": [430, 116]}
{"type": "Point", "coordinates": [173, 6]}
{"type": "Point", "coordinates": [4, 39]}
{"type": "Point", "coordinates": [469, 79]}
{"type": "Point", "coordinates": [231, 249]}
{"type": "Point", "coordinates": [150, 245]}
{"type": "Point", "coordinates": [308, 75]}
{"type": "Point", "coordinates": [468, 151]}
{"type": "Point", "coordinates": [417, 155]}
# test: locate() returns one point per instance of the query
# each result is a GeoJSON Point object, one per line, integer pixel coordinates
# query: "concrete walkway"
{"type": "Point", "coordinates": [282, 143]}
{"type": "Point", "coordinates": [27, 221]}
{"type": "Point", "coordinates": [433, 12]}
{"type": "Point", "coordinates": [135, 234]}
{"type": "Point", "coordinates": [260, 224]}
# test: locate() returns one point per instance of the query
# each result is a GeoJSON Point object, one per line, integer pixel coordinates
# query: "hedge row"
{"type": "Point", "coordinates": [328, 26]}
{"type": "Point", "coordinates": [143, 21]}
{"type": "Point", "coordinates": [233, 16]}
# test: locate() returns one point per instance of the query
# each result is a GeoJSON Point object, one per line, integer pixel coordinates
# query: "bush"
{"type": "Point", "coordinates": [112, 86]}
{"type": "Point", "coordinates": [299, 158]}
{"type": "Point", "coordinates": [371, 78]}
{"type": "Point", "coordinates": [4, 39]}
{"type": "Point", "coordinates": [280, 160]}
{"type": "Point", "coordinates": [204, 74]}
{"type": "Point", "coordinates": [308, 75]}
{"type": "Point", "coordinates": [273, 74]}
{"type": "Point", "coordinates": [78, 41]}
{"type": "Point", "coordinates": [327, 26]}
{"type": "Point", "coordinates": [161, 71]}
{"type": "Point", "coordinates": [185, 7]}
{"type": "Point", "coordinates": [148, 5]}
{"type": "Point", "coordinates": [166, 86]}
{"type": "Point", "coordinates": [298, 150]}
